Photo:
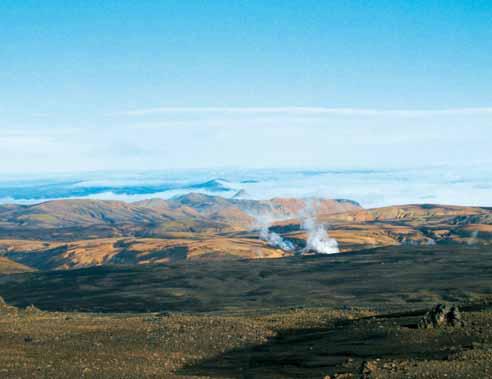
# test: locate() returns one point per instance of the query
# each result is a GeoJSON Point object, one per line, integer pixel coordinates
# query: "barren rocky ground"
{"type": "Point", "coordinates": [342, 316]}
{"type": "Point", "coordinates": [296, 343]}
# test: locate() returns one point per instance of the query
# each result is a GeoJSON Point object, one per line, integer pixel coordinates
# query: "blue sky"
{"type": "Point", "coordinates": [137, 85]}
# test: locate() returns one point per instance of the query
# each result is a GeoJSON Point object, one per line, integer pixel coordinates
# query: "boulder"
{"type": "Point", "coordinates": [368, 370]}
{"type": "Point", "coordinates": [440, 316]}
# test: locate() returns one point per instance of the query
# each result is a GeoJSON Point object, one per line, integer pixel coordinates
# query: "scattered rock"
{"type": "Point", "coordinates": [367, 370]}
{"type": "Point", "coordinates": [441, 316]}
{"type": "Point", "coordinates": [344, 376]}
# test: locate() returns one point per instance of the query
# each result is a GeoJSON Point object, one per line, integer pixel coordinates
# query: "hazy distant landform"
{"type": "Point", "coordinates": [369, 187]}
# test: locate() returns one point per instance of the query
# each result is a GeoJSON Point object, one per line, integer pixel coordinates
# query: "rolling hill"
{"type": "Point", "coordinates": [8, 266]}
{"type": "Point", "coordinates": [68, 234]}
{"type": "Point", "coordinates": [193, 212]}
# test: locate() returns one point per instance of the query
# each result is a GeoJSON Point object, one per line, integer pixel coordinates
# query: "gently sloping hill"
{"type": "Point", "coordinates": [133, 251]}
{"type": "Point", "coordinates": [242, 212]}
{"type": "Point", "coordinates": [72, 213]}
{"type": "Point", "coordinates": [387, 278]}
{"type": "Point", "coordinates": [76, 219]}
{"type": "Point", "coordinates": [419, 213]}
{"type": "Point", "coordinates": [354, 237]}
{"type": "Point", "coordinates": [8, 266]}
{"type": "Point", "coordinates": [69, 220]}
{"type": "Point", "coordinates": [400, 225]}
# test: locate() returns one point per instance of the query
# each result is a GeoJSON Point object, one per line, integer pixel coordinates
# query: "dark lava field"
{"type": "Point", "coordinates": [350, 315]}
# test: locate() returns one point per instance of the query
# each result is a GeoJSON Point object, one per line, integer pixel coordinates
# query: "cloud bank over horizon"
{"type": "Point", "coordinates": [245, 137]}
{"type": "Point", "coordinates": [470, 185]}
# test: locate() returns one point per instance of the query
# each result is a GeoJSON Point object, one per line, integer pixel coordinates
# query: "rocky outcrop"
{"type": "Point", "coordinates": [441, 315]}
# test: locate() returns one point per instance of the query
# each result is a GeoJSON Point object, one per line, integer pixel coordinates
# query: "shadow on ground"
{"type": "Point", "coordinates": [385, 279]}
{"type": "Point", "coordinates": [343, 347]}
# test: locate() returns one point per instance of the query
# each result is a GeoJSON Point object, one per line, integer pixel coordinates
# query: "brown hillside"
{"type": "Point", "coordinates": [8, 266]}
{"type": "Point", "coordinates": [193, 212]}
{"type": "Point", "coordinates": [129, 251]}
{"type": "Point", "coordinates": [81, 233]}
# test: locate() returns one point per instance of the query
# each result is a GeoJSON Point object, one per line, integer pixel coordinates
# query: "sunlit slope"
{"type": "Point", "coordinates": [133, 251]}
{"type": "Point", "coordinates": [82, 219]}
{"type": "Point", "coordinates": [401, 225]}
{"type": "Point", "coordinates": [82, 233]}
{"type": "Point", "coordinates": [8, 266]}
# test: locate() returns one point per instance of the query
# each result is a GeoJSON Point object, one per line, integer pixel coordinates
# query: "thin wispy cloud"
{"type": "Point", "coordinates": [315, 111]}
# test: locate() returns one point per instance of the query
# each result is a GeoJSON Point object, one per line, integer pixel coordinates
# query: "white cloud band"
{"type": "Point", "coordinates": [316, 111]}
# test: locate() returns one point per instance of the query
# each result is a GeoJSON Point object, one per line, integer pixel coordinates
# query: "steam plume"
{"type": "Point", "coordinates": [264, 221]}
{"type": "Point", "coordinates": [318, 239]}
{"type": "Point", "coordinates": [275, 240]}
{"type": "Point", "coordinates": [473, 238]}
